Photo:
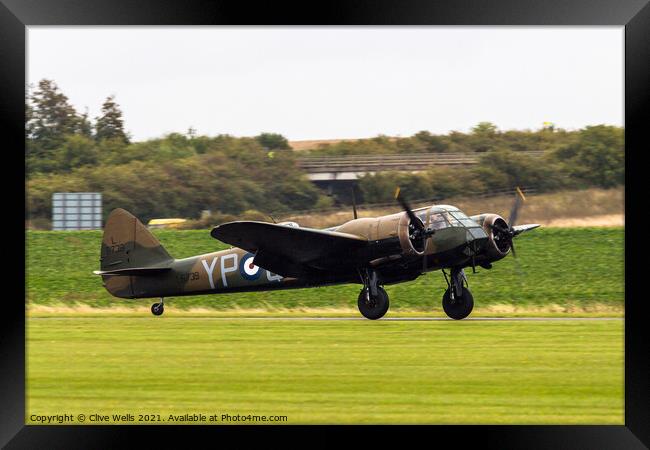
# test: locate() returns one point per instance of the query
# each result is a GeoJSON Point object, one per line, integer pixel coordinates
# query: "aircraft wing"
{"type": "Point", "coordinates": [290, 251]}
{"type": "Point", "coordinates": [521, 228]}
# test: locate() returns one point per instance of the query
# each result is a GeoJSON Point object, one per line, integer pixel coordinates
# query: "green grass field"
{"type": "Point", "coordinates": [89, 359]}
{"type": "Point", "coordinates": [328, 371]}
{"type": "Point", "coordinates": [576, 268]}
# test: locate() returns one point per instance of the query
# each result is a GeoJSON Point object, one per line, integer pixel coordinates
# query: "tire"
{"type": "Point", "coordinates": [377, 307]}
{"type": "Point", "coordinates": [157, 309]}
{"type": "Point", "coordinates": [459, 309]}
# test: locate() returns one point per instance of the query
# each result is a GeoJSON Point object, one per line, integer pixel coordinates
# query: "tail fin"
{"type": "Point", "coordinates": [128, 249]}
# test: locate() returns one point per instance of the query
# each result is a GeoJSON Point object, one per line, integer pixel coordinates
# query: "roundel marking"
{"type": "Point", "coordinates": [247, 269]}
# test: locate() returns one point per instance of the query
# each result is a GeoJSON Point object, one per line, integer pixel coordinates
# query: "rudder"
{"type": "Point", "coordinates": [128, 244]}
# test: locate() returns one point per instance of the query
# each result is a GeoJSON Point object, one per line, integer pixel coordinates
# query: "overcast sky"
{"type": "Point", "coordinates": [336, 82]}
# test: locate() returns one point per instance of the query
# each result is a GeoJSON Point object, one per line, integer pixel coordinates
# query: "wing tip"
{"type": "Point", "coordinates": [526, 227]}
{"type": "Point", "coordinates": [224, 225]}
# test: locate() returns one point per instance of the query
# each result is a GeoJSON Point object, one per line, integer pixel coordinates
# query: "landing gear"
{"type": "Point", "coordinates": [460, 306]}
{"type": "Point", "coordinates": [373, 307]}
{"type": "Point", "coordinates": [373, 300]}
{"type": "Point", "coordinates": [457, 301]}
{"type": "Point", "coordinates": [158, 308]}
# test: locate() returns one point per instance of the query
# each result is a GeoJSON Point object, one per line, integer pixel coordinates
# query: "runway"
{"type": "Point", "coordinates": [385, 319]}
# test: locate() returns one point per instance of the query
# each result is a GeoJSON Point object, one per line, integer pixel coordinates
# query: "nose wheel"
{"type": "Point", "coordinates": [158, 308]}
{"type": "Point", "coordinates": [457, 301]}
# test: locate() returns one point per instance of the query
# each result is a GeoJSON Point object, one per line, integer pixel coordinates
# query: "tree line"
{"type": "Point", "coordinates": [177, 175]}
{"type": "Point", "coordinates": [482, 138]}
{"type": "Point", "coordinates": [590, 157]}
{"type": "Point", "coordinates": [182, 174]}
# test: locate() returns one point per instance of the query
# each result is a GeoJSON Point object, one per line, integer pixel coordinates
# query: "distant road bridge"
{"type": "Point", "coordinates": [329, 169]}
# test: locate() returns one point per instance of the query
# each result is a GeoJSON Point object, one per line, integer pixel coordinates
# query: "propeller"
{"type": "Point", "coordinates": [420, 232]}
{"type": "Point", "coordinates": [509, 232]}
{"type": "Point", "coordinates": [354, 203]}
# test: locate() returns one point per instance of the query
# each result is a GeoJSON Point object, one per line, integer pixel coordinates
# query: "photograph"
{"type": "Point", "coordinates": [271, 225]}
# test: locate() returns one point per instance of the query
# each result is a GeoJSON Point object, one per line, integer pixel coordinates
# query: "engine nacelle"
{"type": "Point", "coordinates": [390, 233]}
{"type": "Point", "coordinates": [409, 246]}
{"type": "Point", "coordinates": [497, 247]}
{"type": "Point", "coordinates": [289, 224]}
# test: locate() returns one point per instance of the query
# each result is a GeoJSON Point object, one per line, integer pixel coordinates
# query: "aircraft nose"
{"type": "Point", "coordinates": [475, 239]}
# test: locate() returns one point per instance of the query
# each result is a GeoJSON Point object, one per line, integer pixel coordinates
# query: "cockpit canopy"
{"type": "Point", "coordinates": [446, 216]}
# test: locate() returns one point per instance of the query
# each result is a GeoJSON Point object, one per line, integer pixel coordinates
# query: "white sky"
{"type": "Point", "coordinates": [336, 82]}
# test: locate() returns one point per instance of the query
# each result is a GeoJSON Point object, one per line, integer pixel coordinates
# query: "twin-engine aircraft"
{"type": "Point", "coordinates": [370, 251]}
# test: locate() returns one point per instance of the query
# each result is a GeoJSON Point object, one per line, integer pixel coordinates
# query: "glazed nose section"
{"type": "Point", "coordinates": [475, 241]}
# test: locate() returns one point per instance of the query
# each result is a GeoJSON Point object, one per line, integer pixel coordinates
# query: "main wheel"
{"type": "Point", "coordinates": [460, 307]}
{"type": "Point", "coordinates": [157, 309]}
{"type": "Point", "coordinates": [376, 307]}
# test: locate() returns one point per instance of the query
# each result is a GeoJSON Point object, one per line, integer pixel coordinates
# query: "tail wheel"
{"type": "Point", "coordinates": [157, 309]}
{"type": "Point", "coordinates": [460, 307]}
{"type": "Point", "coordinates": [373, 307]}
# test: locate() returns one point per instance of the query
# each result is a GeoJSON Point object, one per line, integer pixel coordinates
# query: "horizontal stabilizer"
{"type": "Point", "coordinates": [133, 271]}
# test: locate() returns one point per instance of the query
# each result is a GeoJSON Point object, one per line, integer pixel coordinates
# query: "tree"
{"type": "Point", "coordinates": [110, 125]}
{"type": "Point", "coordinates": [51, 117]}
{"type": "Point", "coordinates": [484, 137]}
{"type": "Point", "coordinates": [76, 151]}
{"type": "Point", "coordinates": [85, 128]}
{"type": "Point", "coordinates": [596, 157]}
{"type": "Point", "coordinates": [273, 141]}
{"type": "Point", "coordinates": [505, 169]}
{"type": "Point", "coordinates": [433, 143]}
{"type": "Point", "coordinates": [485, 129]}
{"type": "Point", "coordinates": [378, 187]}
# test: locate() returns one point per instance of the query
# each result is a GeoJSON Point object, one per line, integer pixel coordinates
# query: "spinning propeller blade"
{"type": "Point", "coordinates": [421, 232]}
{"type": "Point", "coordinates": [509, 232]}
{"type": "Point", "coordinates": [406, 207]}
{"type": "Point", "coordinates": [514, 211]}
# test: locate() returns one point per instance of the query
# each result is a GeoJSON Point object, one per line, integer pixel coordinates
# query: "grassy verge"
{"type": "Point", "coordinates": [568, 372]}
{"type": "Point", "coordinates": [143, 310]}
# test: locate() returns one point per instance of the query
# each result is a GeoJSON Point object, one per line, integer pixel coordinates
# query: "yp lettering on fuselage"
{"type": "Point", "coordinates": [231, 263]}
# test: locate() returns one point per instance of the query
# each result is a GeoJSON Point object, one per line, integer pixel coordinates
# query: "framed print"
{"type": "Point", "coordinates": [279, 154]}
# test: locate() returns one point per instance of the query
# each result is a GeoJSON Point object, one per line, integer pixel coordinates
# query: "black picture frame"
{"type": "Point", "coordinates": [16, 15]}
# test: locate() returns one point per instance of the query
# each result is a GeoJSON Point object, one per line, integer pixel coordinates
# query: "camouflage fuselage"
{"type": "Point", "coordinates": [212, 273]}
